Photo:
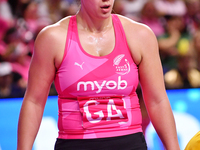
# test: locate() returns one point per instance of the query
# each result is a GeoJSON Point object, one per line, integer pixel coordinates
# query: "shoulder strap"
{"type": "Point", "coordinates": [118, 27]}
{"type": "Point", "coordinates": [70, 31]}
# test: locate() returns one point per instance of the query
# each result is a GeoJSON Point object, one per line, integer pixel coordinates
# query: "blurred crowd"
{"type": "Point", "coordinates": [176, 23]}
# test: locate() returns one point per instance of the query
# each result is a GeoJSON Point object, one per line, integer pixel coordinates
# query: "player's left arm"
{"type": "Point", "coordinates": [144, 48]}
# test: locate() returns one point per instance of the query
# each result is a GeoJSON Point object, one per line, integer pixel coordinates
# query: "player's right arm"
{"type": "Point", "coordinates": [49, 47]}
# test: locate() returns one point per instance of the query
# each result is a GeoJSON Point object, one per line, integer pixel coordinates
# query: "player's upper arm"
{"type": "Point", "coordinates": [42, 68]}
{"type": "Point", "coordinates": [144, 48]}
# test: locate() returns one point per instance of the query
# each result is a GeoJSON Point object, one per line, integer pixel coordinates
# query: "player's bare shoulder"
{"type": "Point", "coordinates": [140, 38]}
{"type": "Point", "coordinates": [52, 38]}
{"type": "Point", "coordinates": [54, 31]}
{"type": "Point", "coordinates": [51, 41]}
{"type": "Point", "coordinates": [133, 28]}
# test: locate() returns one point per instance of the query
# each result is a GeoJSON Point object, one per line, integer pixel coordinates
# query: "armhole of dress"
{"type": "Point", "coordinates": [120, 27]}
{"type": "Point", "coordinates": [68, 37]}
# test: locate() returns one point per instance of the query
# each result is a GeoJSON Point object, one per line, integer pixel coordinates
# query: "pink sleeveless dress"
{"type": "Point", "coordinates": [97, 95]}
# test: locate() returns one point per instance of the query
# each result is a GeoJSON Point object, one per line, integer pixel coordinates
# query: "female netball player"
{"type": "Point", "coordinates": [96, 60]}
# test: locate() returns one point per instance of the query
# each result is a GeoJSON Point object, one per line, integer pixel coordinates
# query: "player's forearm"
{"type": "Point", "coordinates": [163, 120]}
{"type": "Point", "coordinates": [29, 122]}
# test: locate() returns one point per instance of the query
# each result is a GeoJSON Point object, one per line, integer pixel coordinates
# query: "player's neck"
{"type": "Point", "coordinates": [92, 23]}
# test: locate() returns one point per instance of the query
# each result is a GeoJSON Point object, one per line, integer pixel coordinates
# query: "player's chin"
{"type": "Point", "coordinates": [105, 15]}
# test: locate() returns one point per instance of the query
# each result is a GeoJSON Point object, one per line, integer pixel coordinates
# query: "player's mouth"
{"type": "Point", "coordinates": [106, 8]}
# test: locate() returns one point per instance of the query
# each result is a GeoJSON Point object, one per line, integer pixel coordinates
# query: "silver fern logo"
{"type": "Point", "coordinates": [121, 65]}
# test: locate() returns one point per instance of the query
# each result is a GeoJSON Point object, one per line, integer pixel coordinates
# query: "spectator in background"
{"type": "Point", "coordinates": [178, 56]}
{"type": "Point", "coordinates": [56, 9]}
{"type": "Point", "coordinates": [51, 9]}
{"type": "Point", "coordinates": [192, 17]}
{"type": "Point", "coordinates": [6, 80]}
{"type": "Point", "coordinates": [9, 87]}
{"type": "Point", "coordinates": [196, 45]}
{"type": "Point", "coordinates": [132, 8]}
{"type": "Point", "coordinates": [185, 76]}
{"type": "Point", "coordinates": [16, 7]}
{"type": "Point", "coordinates": [150, 17]}
{"type": "Point", "coordinates": [17, 44]}
{"type": "Point", "coordinates": [72, 9]}
{"type": "Point", "coordinates": [16, 55]}
{"type": "Point", "coordinates": [175, 42]}
{"type": "Point", "coordinates": [170, 7]}
{"type": "Point", "coordinates": [5, 12]}
{"type": "Point", "coordinates": [19, 40]}
{"type": "Point", "coordinates": [31, 18]}
{"type": "Point", "coordinates": [3, 28]}
{"type": "Point", "coordinates": [118, 7]}
{"type": "Point", "coordinates": [26, 18]}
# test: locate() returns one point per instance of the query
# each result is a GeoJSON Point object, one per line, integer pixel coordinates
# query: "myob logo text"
{"type": "Point", "coordinates": [120, 85]}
